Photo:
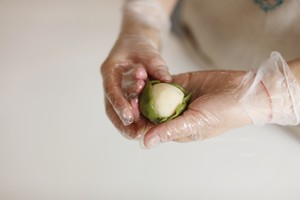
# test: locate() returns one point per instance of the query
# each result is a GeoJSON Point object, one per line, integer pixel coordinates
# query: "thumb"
{"type": "Point", "coordinates": [157, 68]}
{"type": "Point", "coordinates": [197, 124]}
{"type": "Point", "coordinates": [189, 125]}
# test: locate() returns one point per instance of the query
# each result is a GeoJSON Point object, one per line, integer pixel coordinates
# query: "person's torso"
{"type": "Point", "coordinates": [241, 34]}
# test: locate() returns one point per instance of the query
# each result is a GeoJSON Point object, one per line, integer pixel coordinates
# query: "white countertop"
{"type": "Point", "coordinates": [57, 143]}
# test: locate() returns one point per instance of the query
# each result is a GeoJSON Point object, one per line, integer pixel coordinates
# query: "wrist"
{"type": "Point", "coordinates": [294, 66]}
{"type": "Point", "coordinates": [281, 85]}
{"type": "Point", "coordinates": [148, 34]}
{"type": "Point", "coordinates": [146, 18]}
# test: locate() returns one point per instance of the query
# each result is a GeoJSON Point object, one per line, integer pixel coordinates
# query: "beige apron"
{"type": "Point", "coordinates": [240, 34]}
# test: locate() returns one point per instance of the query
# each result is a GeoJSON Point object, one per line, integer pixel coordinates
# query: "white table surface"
{"type": "Point", "coordinates": [57, 143]}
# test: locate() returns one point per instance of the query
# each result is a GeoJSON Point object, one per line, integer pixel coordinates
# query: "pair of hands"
{"type": "Point", "coordinates": [221, 100]}
{"type": "Point", "coordinates": [214, 109]}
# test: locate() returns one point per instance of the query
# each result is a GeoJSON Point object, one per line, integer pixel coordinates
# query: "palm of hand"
{"type": "Point", "coordinates": [214, 107]}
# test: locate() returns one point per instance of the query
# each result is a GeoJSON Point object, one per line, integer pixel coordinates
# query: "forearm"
{"type": "Point", "coordinates": [168, 5]}
{"type": "Point", "coordinates": [295, 68]}
{"type": "Point", "coordinates": [147, 18]}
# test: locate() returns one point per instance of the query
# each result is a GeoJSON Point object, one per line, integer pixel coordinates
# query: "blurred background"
{"type": "Point", "coordinates": [57, 143]}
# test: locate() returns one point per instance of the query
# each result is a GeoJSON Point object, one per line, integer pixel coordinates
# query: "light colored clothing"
{"type": "Point", "coordinates": [240, 34]}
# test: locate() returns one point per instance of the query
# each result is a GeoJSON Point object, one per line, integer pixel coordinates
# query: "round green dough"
{"type": "Point", "coordinates": [160, 102]}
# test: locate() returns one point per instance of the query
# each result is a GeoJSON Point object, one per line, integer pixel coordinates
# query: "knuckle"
{"type": "Point", "coordinates": [104, 66]}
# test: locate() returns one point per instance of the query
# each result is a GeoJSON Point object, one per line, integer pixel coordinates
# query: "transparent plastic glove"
{"type": "Point", "coordinates": [283, 92]}
{"type": "Point", "coordinates": [134, 58]}
{"type": "Point", "coordinates": [148, 13]}
{"type": "Point", "coordinates": [224, 100]}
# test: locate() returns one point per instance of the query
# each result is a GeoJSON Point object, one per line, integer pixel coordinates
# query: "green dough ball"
{"type": "Point", "coordinates": [160, 102]}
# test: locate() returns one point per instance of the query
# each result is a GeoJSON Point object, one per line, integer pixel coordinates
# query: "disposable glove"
{"type": "Point", "coordinates": [224, 100]}
{"type": "Point", "coordinates": [134, 58]}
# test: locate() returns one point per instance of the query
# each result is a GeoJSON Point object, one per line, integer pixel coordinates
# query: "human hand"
{"type": "Point", "coordinates": [134, 58]}
{"type": "Point", "coordinates": [224, 100]}
{"type": "Point", "coordinates": [214, 108]}
{"type": "Point", "coordinates": [132, 61]}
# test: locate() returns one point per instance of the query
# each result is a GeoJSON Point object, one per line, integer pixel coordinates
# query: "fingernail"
{"type": "Point", "coordinates": [126, 117]}
{"type": "Point", "coordinates": [153, 141]}
{"type": "Point", "coordinates": [127, 121]}
{"type": "Point", "coordinates": [166, 76]}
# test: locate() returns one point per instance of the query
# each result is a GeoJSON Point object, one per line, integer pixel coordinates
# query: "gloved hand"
{"type": "Point", "coordinates": [134, 58]}
{"type": "Point", "coordinates": [224, 100]}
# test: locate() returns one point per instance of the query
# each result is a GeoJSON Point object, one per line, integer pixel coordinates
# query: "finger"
{"type": "Point", "coordinates": [133, 80]}
{"type": "Point", "coordinates": [141, 73]}
{"type": "Point", "coordinates": [205, 118]}
{"type": "Point", "coordinates": [121, 106]}
{"type": "Point", "coordinates": [181, 127]}
{"type": "Point", "coordinates": [132, 131]}
{"type": "Point", "coordinates": [183, 140]}
{"type": "Point", "coordinates": [133, 83]}
{"type": "Point", "coordinates": [135, 108]}
{"type": "Point", "coordinates": [134, 88]}
{"type": "Point", "coordinates": [116, 97]}
{"type": "Point", "coordinates": [126, 131]}
{"type": "Point", "coordinates": [157, 68]}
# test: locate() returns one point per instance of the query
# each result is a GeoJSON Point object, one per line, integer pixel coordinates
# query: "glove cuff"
{"type": "Point", "coordinates": [148, 13]}
{"type": "Point", "coordinates": [281, 87]}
